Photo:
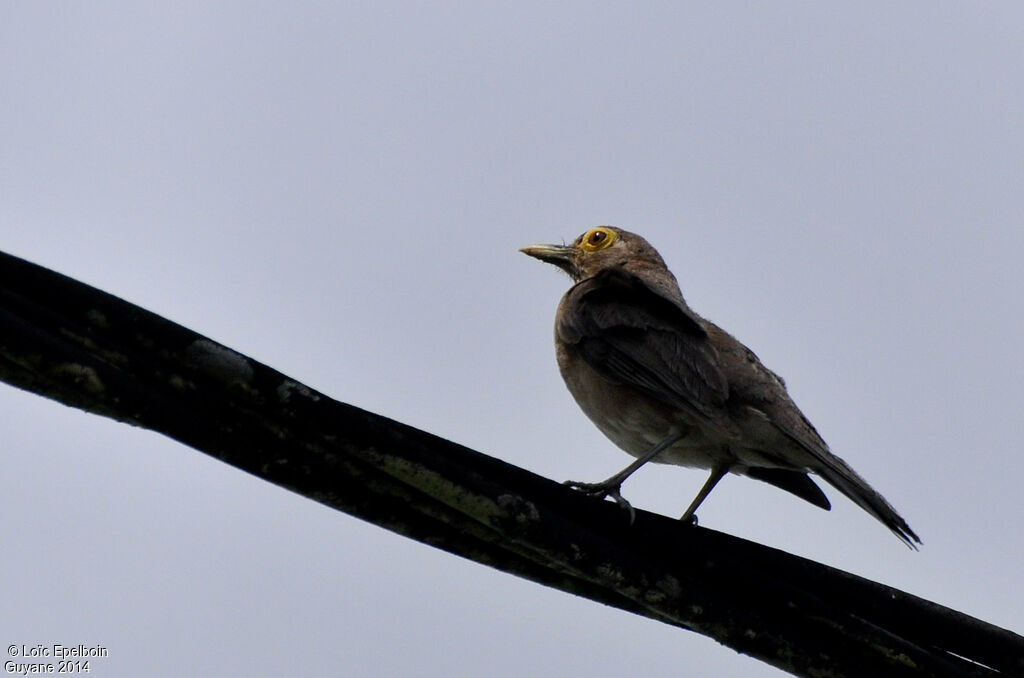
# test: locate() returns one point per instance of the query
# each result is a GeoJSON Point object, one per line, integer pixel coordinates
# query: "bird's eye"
{"type": "Point", "coordinates": [597, 239]}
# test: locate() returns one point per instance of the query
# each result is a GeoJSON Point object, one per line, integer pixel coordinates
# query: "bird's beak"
{"type": "Point", "coordinates": [562, 256]}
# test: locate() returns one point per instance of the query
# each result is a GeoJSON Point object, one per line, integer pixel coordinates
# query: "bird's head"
{"type": "Point", "coordinates": [596, 250]}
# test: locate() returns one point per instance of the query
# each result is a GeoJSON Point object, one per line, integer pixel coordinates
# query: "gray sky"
{"type": "Point", "coordinates": [340, 190]}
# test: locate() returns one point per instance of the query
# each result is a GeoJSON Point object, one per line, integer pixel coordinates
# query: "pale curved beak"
{"type": "Point", "coordinates": [562, 256]}
{"type": "Point", "coordinates": [559, 255]}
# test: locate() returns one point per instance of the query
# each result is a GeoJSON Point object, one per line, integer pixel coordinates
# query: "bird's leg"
{"type": "Point", "coordinates": [717, 473]}
{"type": "Point", "coordinates": [610, 487]}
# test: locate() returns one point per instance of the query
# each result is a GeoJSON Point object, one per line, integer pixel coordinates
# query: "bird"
{"type": "Point", "coordinates": [668, 386]}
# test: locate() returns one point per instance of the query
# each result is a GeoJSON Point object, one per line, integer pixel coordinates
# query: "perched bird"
{"type": "Point", "coordinates": [668, 386]}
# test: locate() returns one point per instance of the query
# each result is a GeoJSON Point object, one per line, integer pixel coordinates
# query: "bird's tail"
{"type": "Point", "coordinates": [847, 481]}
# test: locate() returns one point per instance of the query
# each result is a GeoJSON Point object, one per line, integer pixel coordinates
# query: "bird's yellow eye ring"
{"type": "Point", "coordinates": [597, 239]}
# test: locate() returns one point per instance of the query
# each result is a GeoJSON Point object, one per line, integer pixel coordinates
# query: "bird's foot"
{"type": "Point", "coordinates": [689, 519]}
{"type": "Point", "coordinates": [602, 490]}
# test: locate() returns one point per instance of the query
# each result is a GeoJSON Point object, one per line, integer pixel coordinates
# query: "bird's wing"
{"type": "Point", "coordinates": [761, 389]}
{"type": "Point", "coordinates": [634, 334]}
{"type": "Point", "coordinates": [838, 473]}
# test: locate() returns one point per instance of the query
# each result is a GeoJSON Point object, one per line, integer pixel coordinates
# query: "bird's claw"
{"type": "Point", "coordinates": [602, 490]}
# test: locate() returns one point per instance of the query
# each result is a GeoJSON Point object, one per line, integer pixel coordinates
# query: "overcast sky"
{"type": "Point", "coordinates": [339, 190]}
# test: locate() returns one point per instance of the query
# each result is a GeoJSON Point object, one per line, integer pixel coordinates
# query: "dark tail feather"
{"type": "Point", "coordinates": [797, 482]}
{"type": "Point", "coordinates": [846, 480]}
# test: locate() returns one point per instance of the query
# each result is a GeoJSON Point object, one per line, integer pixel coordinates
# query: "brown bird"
{"type": "Point", "coordinates": [668, 386]}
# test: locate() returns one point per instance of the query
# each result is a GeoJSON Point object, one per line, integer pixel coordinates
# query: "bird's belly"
{"type": "Point", "coordinates": [636, 423]}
